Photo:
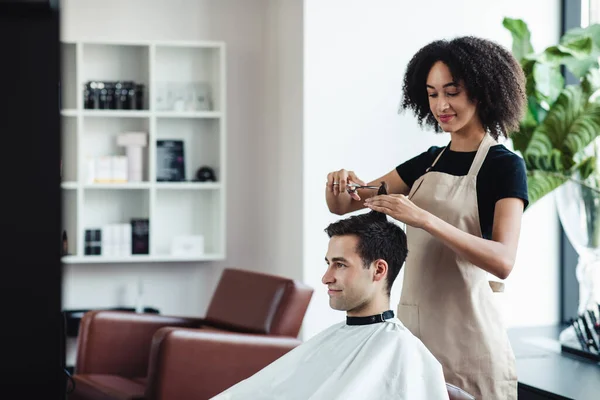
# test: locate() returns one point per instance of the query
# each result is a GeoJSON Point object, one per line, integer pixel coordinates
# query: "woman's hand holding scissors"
{"type": "Point", "coordinates": [346, 181]}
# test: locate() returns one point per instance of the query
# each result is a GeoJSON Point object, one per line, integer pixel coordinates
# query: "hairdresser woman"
{"type": "Point", "coordinates": [462, 205]}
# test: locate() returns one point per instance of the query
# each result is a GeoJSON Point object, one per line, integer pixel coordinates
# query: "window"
{"type": "Point", "coordinates": [575, 13]}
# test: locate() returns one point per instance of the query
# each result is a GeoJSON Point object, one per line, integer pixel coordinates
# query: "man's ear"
{"type": "Point", "coordinates": [380, 269]}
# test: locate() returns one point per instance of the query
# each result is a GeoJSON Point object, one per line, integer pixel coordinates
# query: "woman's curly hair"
{"type": "Point", "coordinates": [491, 75]}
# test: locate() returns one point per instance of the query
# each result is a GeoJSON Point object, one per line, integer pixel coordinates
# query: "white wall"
{"type": "Point", "coordinates": [185, 289]}
{"type": "Point", "coordinates": [356, 52]}
{"type": "Point", "coordinates": [280, 179]}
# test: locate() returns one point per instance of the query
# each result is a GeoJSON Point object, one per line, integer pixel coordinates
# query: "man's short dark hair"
{"type": "Point", "coordinates": [378, 238]}
{"type": "Point", "coordinates": [492, 77]}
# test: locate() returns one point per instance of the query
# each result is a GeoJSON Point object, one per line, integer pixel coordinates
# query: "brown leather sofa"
{"type": "Point", "coordinates": [191, 364]}
{"type": "Point", "coordinates": [114, 347]}
{"type": "Point", "coordinates": [188, 364]}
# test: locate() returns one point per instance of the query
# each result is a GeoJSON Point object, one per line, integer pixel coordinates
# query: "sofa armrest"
{"type": "Point", "coordinates": [118, 342]}
{"type": "Point", "coordinates": [195, 364]}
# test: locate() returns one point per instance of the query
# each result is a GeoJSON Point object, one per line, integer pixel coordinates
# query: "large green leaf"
{"type": "Point", "coordinates": [521, 138]}
{"type": "Point", "coordinates": [578, 54]}
{"type": "Point", "coordinates": [585, 130]}
{"type": "Point", "coordinates": [549, 82]}
{"type": "Point", "coordinates": [593, 31]}
{"type": "Point", "coordinates": [579, 66]}
{"type": "Point", "coordinates": [540, 183]}
{"type": "Point", "coordinates": [591, 81]}
{"type": "Point", "coordinates": [586, 167]}
{"type": "Point", "coordinates": [571, 124]}
{"type": "Point", "coordinates": [521, 37]}
{"type": "Point", "coordinates": [578, 47]}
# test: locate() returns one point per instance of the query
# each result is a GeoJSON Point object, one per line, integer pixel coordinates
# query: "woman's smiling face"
{"type": "Point", "coordinates": [448, 100]}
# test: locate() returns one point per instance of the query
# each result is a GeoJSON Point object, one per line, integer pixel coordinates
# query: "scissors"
{"type": "Point", "coordinates": [353, 187]}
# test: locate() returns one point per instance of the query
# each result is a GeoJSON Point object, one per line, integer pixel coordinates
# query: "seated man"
{"type": "Point", "coordinates": [369, 356]}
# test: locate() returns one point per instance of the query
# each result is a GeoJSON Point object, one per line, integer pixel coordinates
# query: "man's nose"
{"type": "Point", "coordinates": [327, 277]}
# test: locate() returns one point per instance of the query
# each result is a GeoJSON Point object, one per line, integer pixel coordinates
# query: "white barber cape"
{"type": "Point", "coordinates": [378, 361]}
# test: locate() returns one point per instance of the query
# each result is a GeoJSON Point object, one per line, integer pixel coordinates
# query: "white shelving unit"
{"type": "Point", "coordinates": [173, 208]}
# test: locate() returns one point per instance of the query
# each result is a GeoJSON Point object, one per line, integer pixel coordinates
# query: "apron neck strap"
{"type": "Point", "coordinates": [436, 159]}
{"type": "Point", "coordinates": [482, 151]}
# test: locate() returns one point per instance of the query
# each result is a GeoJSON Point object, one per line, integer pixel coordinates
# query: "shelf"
{"type": "Point", "coordinates": [118, 186]}
{"type": "Point", "coordinates": [144, 185]}
{"type": "Point", "coordinates": [116, 113]}
{"type": "Point", "coordinates": [141, 114]}
{"type": "Point", "coordinates": [179, 68]}
{"type": "Point", "coordinates": [109, 206]}
{"type": "Point", "coordinates": [184, 99]}
{"type": "Point", "coordinates": [69, 113]}
{"type": "Point", "coordinates": [68, 185]}
{"type": "Point", "coordinates": [201, 142]}
{"type": "Point", "coordinates": [188, 114]}
{"type": "Point", "coordinates": [138, 259]}
{"type": "Point", "coordinates": [188, 185]}
{"type": "Point", "coordinates": [184, 213]}
{"type": "Point", "coordinates": [111, 62]}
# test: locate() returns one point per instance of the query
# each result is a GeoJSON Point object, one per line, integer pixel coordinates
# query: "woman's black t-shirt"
{"type": "Point", "coordinates": [502, 175]}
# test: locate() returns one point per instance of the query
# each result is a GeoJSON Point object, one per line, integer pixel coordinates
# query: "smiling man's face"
{"type": "Point", "coordinates": [350, 285]}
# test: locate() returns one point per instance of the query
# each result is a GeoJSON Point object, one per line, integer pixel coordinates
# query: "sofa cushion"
{"type": "Point", "coordinates": [107, 387]}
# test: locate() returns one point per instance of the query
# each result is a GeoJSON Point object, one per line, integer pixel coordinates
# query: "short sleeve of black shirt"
{"type": "Point", "coordinates": [502, 175]}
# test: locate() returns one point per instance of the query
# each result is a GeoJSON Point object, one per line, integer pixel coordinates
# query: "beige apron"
{"type": "Point", "coordinates": [448, 302]}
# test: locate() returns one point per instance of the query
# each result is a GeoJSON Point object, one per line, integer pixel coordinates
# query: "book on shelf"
{"type": "Point", "coordinates": [170, 161]}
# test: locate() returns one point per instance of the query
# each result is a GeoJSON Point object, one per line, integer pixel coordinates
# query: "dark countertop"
{"type": "Point", "coordinates": [543, 369]}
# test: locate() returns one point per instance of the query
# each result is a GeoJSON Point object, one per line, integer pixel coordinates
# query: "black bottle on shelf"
{"type": "Point", "coordinates": [103, 103]}
{"type": "Point", "coordinates": [91, 95]}
{"type": "Point", "coordinates": [110, 95]}
{"type": "Point", "coordinates": [139, 96]}
{"type": "Point", "coordinates": [87, 95]}
{"type": "Point", "coordinates": [121, 94]}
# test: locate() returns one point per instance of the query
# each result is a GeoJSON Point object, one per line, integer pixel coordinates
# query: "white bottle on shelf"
{"type": "Point", "coordinates": [134, 142]}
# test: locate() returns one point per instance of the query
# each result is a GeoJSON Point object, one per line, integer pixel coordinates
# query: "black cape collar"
{"type": "Point", "coordinates": [372, 319]}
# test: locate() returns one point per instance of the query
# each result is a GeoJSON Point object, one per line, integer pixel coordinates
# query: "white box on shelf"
{"type": "Point", "coordinates": [103, 169]}
{"type": "Point", "coordinates": [132, 139]}
{"type": "Point", "coordinates": [125, 245]}
{"type": "Point", "coordinates": [116, 240]}
{"type": "Point", "coordinates": [187, 245]}
{"type": "Point", "coordinates": [119, 169]}
{"type": "Point", "coordinates": [107, 247]}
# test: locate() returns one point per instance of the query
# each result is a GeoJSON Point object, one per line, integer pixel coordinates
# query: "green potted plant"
{"type": "Point", "coordinates": [561, 121]}
{"type": "Point", "coordinates": [557, 140]}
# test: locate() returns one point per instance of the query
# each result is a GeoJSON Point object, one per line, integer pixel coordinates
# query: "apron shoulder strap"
{"type": "Point", "coordinates": [487, 142]}
{"type": "Point", "coordinates": [436, 159]}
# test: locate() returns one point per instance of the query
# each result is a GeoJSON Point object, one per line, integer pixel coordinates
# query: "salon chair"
{"type": "Point", "coordinates": [114, 347]}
